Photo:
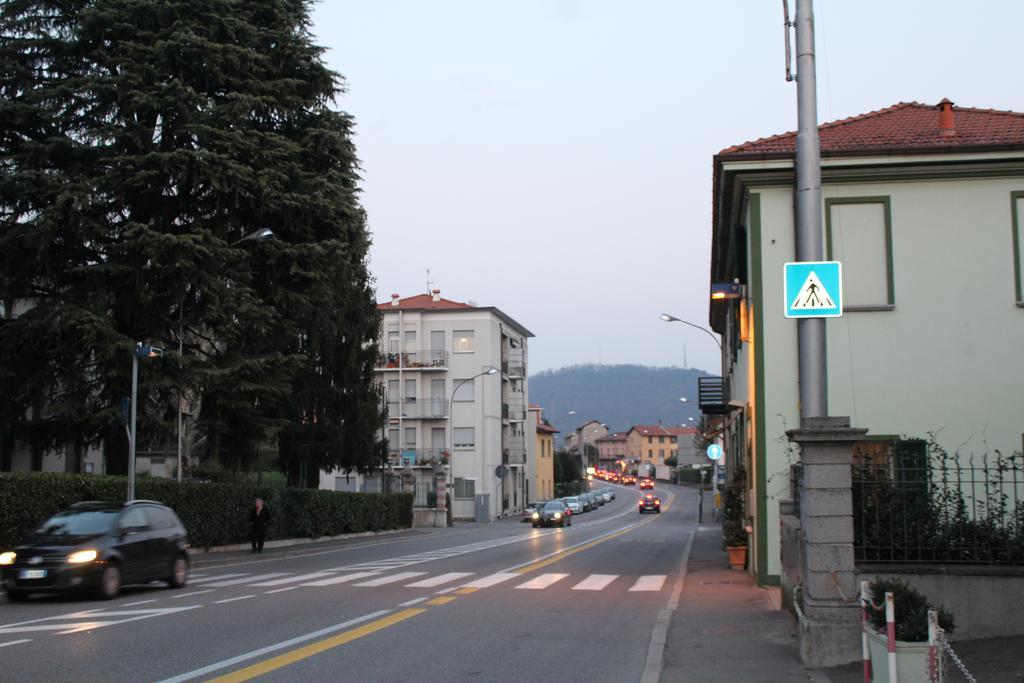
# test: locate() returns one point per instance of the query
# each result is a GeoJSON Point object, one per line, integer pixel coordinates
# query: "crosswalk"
{"type": "Point", "coordinates": [374, 578]}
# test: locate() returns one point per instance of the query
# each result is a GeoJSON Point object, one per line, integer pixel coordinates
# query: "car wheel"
{"type": "Point", "coordinates": [179, 573]}
{"type": "Point", "coordinates": [110, 582]}
{"type": "Point", "coordinates": [15, 595]}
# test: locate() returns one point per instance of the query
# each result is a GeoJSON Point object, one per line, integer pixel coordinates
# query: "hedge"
{"type": "Point", "coordinates": [213, 514]}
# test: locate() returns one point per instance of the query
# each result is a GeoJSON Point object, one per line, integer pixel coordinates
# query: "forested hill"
{"type": "Point", "coordinates": [618, 395]}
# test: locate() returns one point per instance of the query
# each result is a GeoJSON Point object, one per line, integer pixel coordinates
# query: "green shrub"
{"type": "Point", "coordinates": [911, 611]}
{"type": "Point", "coordinates": [214, 514]}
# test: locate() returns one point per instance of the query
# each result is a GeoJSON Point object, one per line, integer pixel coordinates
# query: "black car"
{"type": "Point", "coordinates": [553, 513]}
{"type": "Point", "coordinates": [650, 503]}
{"type": "Point", "coordinates": [99, 547]}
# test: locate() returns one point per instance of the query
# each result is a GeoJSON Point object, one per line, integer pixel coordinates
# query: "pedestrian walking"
{"type": "Point", "coordinates": [259, 519]}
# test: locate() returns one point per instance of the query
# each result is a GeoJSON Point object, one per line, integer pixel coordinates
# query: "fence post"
{"type": "Point", "coordinates": [890, 636]}
{"type": "Point", "coordinates": [933, 642]}
{"type": "Point", "coordinates": [865, 604]}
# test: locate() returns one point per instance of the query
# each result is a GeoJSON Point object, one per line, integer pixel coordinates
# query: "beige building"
{"type": "Point", "coordinates": [649, 445]}
{"type": "Point", "coordinates": [611, 449]}
{"type": "Point", "coordinates": [540, 460]}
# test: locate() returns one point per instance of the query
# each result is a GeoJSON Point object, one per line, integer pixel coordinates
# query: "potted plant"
{"type": "Point", "coordinates": [734, 531]}
{"type": "Point", "coordinates": [911, 622]}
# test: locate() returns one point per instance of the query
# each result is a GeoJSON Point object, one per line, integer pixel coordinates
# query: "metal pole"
{"type": "Point", "coordinates": [131, 441]}
{"type": "Point", "coordinates": [810, 331]}
{"type": "Point", "coordinates": [181, 349]}
{"type": "Point", "coordinates": [700, 505]}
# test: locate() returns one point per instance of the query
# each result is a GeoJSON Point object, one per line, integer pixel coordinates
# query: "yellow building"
{"type": "Point", "coordinates": [650, 444]}
{"type": "Point", "coordinates": [542, 484]}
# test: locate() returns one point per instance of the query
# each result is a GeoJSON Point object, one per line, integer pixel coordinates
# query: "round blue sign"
{"type": "Point", "coordinates": [714, 451]}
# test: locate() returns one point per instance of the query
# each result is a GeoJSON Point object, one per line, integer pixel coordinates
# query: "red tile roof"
{"type": "Point", "coordinates": [905, 126]}
{"type": "Point", "coordinates": [650, 430]}
{"type": "Point", "coordinates": [544, 428]}
{"type": "Point", "coordinates": [681, 431]}
{"type": "Point", "coordinates": [613, 437]}
{"type": "Point", "coordinates": [422, 301]}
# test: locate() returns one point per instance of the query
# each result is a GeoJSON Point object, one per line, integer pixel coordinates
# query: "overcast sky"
{"type": "Point", "coordinates": [553, 157]}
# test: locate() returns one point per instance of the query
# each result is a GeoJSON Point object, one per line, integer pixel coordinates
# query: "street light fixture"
{"type": "Point", "coordinates": [672, 319]}
{"type": "Point", "coordinates": [488, 370]}
{"type": "Point", "coordinates": [255, 235]}
{"type": "Point", "coordinates": [140, 351]}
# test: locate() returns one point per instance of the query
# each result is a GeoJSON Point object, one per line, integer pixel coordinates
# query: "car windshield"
{"type": "Point", "coordinates": [552, 507]}
{"type": "Point", "coordinates": [78, 523]}
{"type": "Point", "coordinates": [570, 501]}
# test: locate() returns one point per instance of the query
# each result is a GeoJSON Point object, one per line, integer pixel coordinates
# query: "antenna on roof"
{"type": "Point", "coordinates": [430, 283]}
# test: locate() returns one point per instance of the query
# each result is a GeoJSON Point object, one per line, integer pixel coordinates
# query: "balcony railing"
{"type": "Point", "coordinates": [424, 408]}
{"type": "Point", "coordinates": [417, 457]}
{"type": "Point", "coordinates": [513, 456]}
{"type": "Point", "coordinates": [713, 395]}
{"type": "Point", "coordinates": [409, 360]}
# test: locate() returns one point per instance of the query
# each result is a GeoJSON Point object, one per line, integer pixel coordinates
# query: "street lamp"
{"type": "Point", "coordinates": [140, 351]}
{"type": "Point", "coordinates": [488, 370]}
{"type": "Point", "coordinates": [672, 319]}
{"type": "Point", "coordinates": [253, 236]}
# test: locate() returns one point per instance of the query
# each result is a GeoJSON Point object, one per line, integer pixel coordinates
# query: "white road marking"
{"type": "Point", "coordinates": [247, 579]}
{"type": "Point", "coordinates": [340, 579]}
{"type": "Point", "coordinates": [26, 640]}
{"type": "Point", "coordinates": [281, 590]}
{"type": "Point", "coordinates": [91, 619]}
{"type": "Point", "coordinates": [410, 603]}
{"type": "Point", "coordinates": [439, 580]}
{"type": "Point", "coordinates": [215, 578]}
{"type": "Point", "coordinates": [541, 582]}
{"type": "Point", "coordinates": [446, 591]}
{"type": "Point", "coordinates": [188, 595]}
{"type": "Point", "coordinates": [652, 582]}
{"type": "Point", "coordinates": [492, 580]}
{"type": "Point", "coordinates": [241, 597]}
{"type": "Point", "coordinates": [595, 582]}
{"type": "Point", "coordinates": [189, 675]}
{"type": "Point", "coordinates": [139, 602]}
{"type": "Point", "coordinates": [384, 580]}
{"type": "Point", "coordinates": [291, 579]}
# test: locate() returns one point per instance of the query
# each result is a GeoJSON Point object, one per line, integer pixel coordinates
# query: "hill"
{"type": "Point", "coordinates": [618, 395]}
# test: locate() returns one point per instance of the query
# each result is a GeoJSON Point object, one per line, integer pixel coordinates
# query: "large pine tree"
{"type": "Point", "coordinates": [140, 141]}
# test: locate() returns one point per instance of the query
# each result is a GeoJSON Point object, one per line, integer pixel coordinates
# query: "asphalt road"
{"type": "Point", "coordinates": [494, 602]}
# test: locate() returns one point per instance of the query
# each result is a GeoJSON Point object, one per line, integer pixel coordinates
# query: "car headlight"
{"type": "Point", "coordinates": [535, 515]}
{"type": "Point", "coordinates": [7, 558]}
{"type": "Point", "coordinates": [558, 515]}
{"type": "Point", "coordinates": [82, 556]}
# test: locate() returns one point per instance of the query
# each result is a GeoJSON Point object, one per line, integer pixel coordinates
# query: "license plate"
{"type": "Point", "coordinates": [32, 574]}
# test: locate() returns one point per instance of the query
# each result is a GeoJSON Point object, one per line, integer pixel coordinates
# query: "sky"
{"type": "Point", "coordinates": [553, 158]}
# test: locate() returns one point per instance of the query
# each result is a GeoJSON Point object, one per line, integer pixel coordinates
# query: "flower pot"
{"type": "Point", "coordinates": [737, 556]}
{"type": "Point", "coordinates": [911, 660]}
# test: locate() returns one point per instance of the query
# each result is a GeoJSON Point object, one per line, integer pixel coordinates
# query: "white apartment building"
{"type": "Point", "coordinates": [443, 407]}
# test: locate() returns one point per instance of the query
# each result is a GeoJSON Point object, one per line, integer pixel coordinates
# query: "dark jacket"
{"type": "Point", "coordinates": [258, 522]}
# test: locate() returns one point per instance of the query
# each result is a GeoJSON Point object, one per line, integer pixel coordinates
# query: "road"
{"type": "Point", "coordinates": [494, 602]}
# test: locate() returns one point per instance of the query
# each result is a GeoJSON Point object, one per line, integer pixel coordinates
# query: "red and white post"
{"type": "Point", "coordinates": [890, 636]}
{"type": "Point", "coordinates": [934, 663]}
{"type": "Point", "coordinates": [865, 605]}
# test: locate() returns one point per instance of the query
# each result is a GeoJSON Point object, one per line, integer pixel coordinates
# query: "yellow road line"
{"type": "Point", "coordinates": [466, 591]}
{"type": "Point", "coordinates": [443, 600]}
{"type": "Point", "coordinates": [301, 653]}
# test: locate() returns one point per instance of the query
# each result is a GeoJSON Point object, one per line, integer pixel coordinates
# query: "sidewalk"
{"type": "Point", "coordinates": [726, 628]}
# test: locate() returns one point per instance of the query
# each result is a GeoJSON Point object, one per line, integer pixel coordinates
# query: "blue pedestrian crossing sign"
{"type": "Point", "coordinates": [814, 289]}
{"type": "Point", "coordinates": [714, 451]}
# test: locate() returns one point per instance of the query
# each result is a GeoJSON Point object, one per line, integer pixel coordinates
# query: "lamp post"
{"type": "Point", "coordinates": [253, 236]}
{"type": "Point", "coordinates": [489, 370]}
{"type": "Point", "coordinates": [672, 319]}
{"type": "Point", "coordinates": [140, 351]}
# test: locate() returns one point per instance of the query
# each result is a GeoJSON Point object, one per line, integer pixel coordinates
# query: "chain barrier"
{"type": "Point", "coordinates": [952, 655]}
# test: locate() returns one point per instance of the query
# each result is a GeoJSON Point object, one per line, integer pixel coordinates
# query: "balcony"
{"type": "Point", "coordinates": [513, 413]}
{"type": "Point", "coordinates": [713, 395]}
{"type": "Point", "coordinates": [513, 456]}
{"type": "Point", "coordinates": [413, 360]}
{"type": "Point", "coordinates": [418, 409]}
{"type": "Point", "coordinates": [417, 457]}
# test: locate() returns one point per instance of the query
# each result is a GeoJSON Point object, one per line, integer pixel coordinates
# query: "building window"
{"type": "Point", "coordinates": [661, 439]}
{"type": "Point", "coordinates": [410, 437]}
{"type": "Point", "coordinates": [464, 437]}
{"type": "Point", "coordinates": [410, 390]}
{"type": "Point", "coordinates": [466, 391]}
{"type": "Point", "coordinates": [859, 234]}
{"type": "Point", "coordinates": [650, 454]}
{"type": "Point", "coordinates": [462, 341]}
{"type": "Point", "coordinates": [465, 489]}
{"type": "Point", "coordinates": [661, 454]}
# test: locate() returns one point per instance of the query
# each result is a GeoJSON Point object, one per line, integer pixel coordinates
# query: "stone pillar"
{"type": "Point", "coordinates": [828, 611]}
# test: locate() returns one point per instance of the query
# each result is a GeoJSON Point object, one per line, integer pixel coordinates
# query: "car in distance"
{"type": "Point", "coordinates": [530, 509]}
{"type": "Point", "coordinates": [646, 484]}
{"type": "Point", "coordinates": [574, 504]}
{"type": "Point", "coordinates": [99, 547]}
{"type": "Point", "coordinates": [650, 503]}
{"type": "Point", "coordinates": [629, 480]}
{"type": "Point", "coordinates": [610, 491]}
{"type": "Point", "coordinates": [552, 513]}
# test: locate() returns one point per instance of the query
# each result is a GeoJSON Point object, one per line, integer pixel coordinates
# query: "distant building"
{"type": "Point", "coordinates": [430, 348]}
{"type": "Point", "coordinates": [649, 444]}
{"type": "Point", "coordinates": [686, 448]}
{"type": "Point", "coordinates": [587, 433]}
{"type": "Point", "coordinates": [540, 458]}
{"type": "Point", "coordinates": [611, 449]}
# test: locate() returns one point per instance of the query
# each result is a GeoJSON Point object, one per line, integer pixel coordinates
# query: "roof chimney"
{"type": "Point", "coordinates": [394, 299]}
{"type": "Point", "coordinates": [946, 127]}
{"type": "Point", "coordinates": [436, 294]}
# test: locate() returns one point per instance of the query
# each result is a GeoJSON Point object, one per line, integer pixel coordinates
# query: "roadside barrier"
{"type": "Point", "coordinates": [936, 639]}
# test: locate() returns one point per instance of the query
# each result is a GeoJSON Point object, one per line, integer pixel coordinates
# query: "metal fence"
{"type": "Point", "coordinates": [914, 503]}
